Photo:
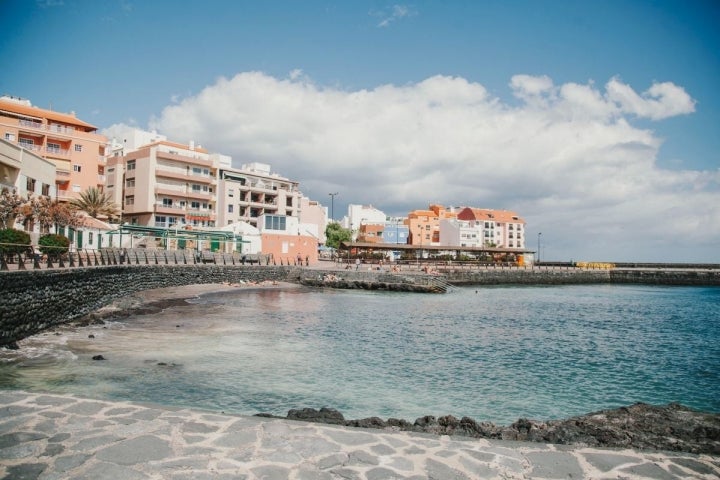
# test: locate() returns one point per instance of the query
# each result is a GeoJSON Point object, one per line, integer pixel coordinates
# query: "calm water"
{"type": "Point", "coordinates": [493, 354]}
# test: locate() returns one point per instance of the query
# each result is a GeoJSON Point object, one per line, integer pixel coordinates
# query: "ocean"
{"type": "Point", "coordinates": [490, 353]}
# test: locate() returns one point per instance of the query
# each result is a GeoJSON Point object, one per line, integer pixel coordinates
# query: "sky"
{"type": "Point", "coordinates": [597, 122]}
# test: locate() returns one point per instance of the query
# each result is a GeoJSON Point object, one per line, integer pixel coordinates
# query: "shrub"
{"type": "Point", "coordinates": [13, 242]}
{"type": "Point", "coordinates": [53, 245]}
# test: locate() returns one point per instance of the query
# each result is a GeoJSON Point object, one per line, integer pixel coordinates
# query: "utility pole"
{"type": "Point", "coordinates": [332, 206]}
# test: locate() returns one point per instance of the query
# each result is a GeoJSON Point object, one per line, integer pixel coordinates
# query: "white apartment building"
{"type": "Point", "coordinates": [247, 193]}
{"type": "Point", "coordinates": [363, 214]}
{"type": "Point", "coordinates": [499, 228]}
{"type": "Point", "coordinates": [461, 233]}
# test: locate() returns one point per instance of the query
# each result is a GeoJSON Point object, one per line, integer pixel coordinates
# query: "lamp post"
{"type": "Point", "coordinates": [538, 246]}
{"type": "Point", "coordinates": [332, 206]}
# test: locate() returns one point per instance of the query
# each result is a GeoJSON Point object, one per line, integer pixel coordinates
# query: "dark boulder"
{"type": "Point", "coordinates": [324, 415]}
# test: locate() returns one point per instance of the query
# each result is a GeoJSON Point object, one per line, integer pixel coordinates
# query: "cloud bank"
{"type": "Point", "coordinates": [566, 157]}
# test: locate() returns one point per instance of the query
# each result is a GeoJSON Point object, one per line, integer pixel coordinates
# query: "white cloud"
{"type": "Point", "coordinates": [393, 14]}
{"type": "Point", "coordinates": [567, 157]}
{"type": "Point", "coordinates": [662, 100]}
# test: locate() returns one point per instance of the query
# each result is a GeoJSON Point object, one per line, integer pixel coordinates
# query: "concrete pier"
{"type": "Point", "coordinates": [49, 437]}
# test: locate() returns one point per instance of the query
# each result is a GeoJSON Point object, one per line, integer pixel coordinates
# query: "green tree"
{"type": "Point", "coordinates": [13, 242]}
{"type": "Point", "coordinates": [95, 203]}
{"type": "Point", "coordinates": [53, 245]}
{"type": "Point", "coordinates": [336, 234]}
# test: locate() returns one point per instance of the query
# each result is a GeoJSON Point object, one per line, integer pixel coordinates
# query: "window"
{"type": "Point", "coordinates": [205, 206]}
{"type": "Point", "coordinates": [111, 169]}
{"type": "Point", "coordinates": [78, 148]}
{"type": "Point", "coordinates": [196, 188]}
{"type": "Point", "coordinates": [197, 170]}
{"type": "Point", "coordinates": [53, 147]}
{"type": "Point", "coordinates": [230, 208]}
{"type": "Point", "coordinates": [130, 165]}
{"type": "Point", "coordinates": [77, 188]}
{"type": "Point", "coordinates": [46, 189]}
{"type": "Point", "coordinates": [206, 172]}
{"type": "Point", "coordinates": [160, 220]}
{"type": "Point", "coordinates": [231, 192]}
{"type": "Point", "coordinates": [77, 168]}
{"type": "Point", "coordinates": [129, 182]}
{"type": "Point", "coordinates": [130, 200]}
{"type": "Point", "coordinates": [195, 205]}
{"type": "Point", "coordinates": [30, 184]}
{"type": "Point", "coordinates": [26, 142]}
{"type": "Point", "coordinates": [10, 137]}
{"type": "Point", "coordinates": [90, 237]}
{"type": "Point", "coordinates": [274, 222]}
{"type": "Point", "coordinates": [167, 202]}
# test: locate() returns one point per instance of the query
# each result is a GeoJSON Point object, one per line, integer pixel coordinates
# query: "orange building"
{"type": "Point", "coordinates": [424, 225]}
{"type": "Point", "coordinates": [74, 146]}
{"type": "Point", "coordinates": [371, 233]}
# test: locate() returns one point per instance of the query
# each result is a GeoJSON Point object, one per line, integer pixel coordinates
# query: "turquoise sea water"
{"type": "Point", "coordinates": [493, 354]}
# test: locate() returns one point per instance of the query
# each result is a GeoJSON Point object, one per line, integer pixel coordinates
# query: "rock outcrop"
{"type": "Point", "coordinates": [671, 427]}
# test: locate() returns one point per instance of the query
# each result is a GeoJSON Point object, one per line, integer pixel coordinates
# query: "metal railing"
{"type": "Point", "coordinates": [87, 257]}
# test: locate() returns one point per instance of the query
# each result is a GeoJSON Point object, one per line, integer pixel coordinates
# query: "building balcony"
{"type": "Point", "coordinates": [177, 156]}
{"type": "Point", "coordinates": [53, 151]}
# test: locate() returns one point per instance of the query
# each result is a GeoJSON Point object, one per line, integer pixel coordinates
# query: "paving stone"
{"type": "Point", "coordinates": [381, 473]}
{"type": "Point", "coordinates": [88, 444]}
{"type": "Point", "coordinates": [7, 397]}
{"type": "Point", "coordinates": [25, 471]}
{"type": "Point", "coordinates": [53, 450]}
{"type": "Point", "coordinates": [345, 474]}
{"type": "Point", "coordinates": [85, 408]}
{"type": "Point", "coordinates": [414, 451]}
{"type": "Point", "coordinates": [236, 439]}
{"type": "Point", "coordinates": [146, 414]}
{"type": "Point", "coordinates": [650, 470]}
{"type": "Point", "coordinates": [607, 461]}
{"type": "Point", "coordinates": [348, 437]}
{"type": "Point", "coordinates": [439, 471]}
{"type": "Point", "coordinates": [400, 463]}
{"type": "Point", "coordinates": [68, 462]}
{"type": "Point", "coordinates": [312, 474]}
{"type": "Point", "coordinates": [333, 460]}
{"type": "Point", "coordinates": [60, 437]}
{"type": "Point", "coordinates": [554, 465]}
{"type": "Point", "coordinates": [14, 410]}
{"type": "Point", "coordinates": [136, 450]}
{"type": "Point", "coordinates": [110, 471]}
{"type": "Point", "coordinates": [271, 472]}
{"type": "Point", "coordinates": [360, 457]}
{"type": "Point", "coordinates": [52, 414]}
{"type": "Point", "coordinates": [381, 449]}
{"type": "Point", "coordinates": [23, 450]}
{"type": "Point", "coordinates": [17, 438]}
{"type": "Point", "coordinates": [195, 427]}
{"type": "Point", "coordinates": [53, 400]}
{"type": "Point", "coordinates": [479, 470]}
{"type": "Point", "coordinates": [697, 466]}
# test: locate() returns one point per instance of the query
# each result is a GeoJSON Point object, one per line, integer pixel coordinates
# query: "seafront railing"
{"type": "Point", "coordinates": [86, 257]}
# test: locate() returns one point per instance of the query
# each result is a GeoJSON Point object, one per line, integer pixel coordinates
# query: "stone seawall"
{"type": "Point", "coordinates": [34, 300]}
{"type": "Point", "coordinates": [568, 276]}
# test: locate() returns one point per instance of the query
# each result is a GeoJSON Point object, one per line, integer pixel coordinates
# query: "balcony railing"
{"type": "Point", "coordinates": [57, 151]}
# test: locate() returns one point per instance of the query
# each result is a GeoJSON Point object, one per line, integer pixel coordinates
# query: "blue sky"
{"type": "Point", "coordinates": [596, 121]}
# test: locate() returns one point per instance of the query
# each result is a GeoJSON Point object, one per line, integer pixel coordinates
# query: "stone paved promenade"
{"type": "Point", "coordinates": [46, 436]}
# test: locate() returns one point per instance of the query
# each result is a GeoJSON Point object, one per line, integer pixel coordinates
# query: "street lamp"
{"type": "Point", "coordinates": [538, 249]}
{"type": "Point", "coordinates": [332, 206]}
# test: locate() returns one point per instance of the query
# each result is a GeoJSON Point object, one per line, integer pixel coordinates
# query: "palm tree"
{"type": "Point", "coordinates": [95, 203]}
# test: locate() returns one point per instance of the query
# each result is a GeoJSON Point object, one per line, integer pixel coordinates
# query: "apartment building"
{"type": "Point", "coordinates": [461, 233]}
{"type": "Point", "coordinates": [247, 193]}
{"type": "Point", "coordinates": [72, 145]}
{"type": "Point", "coordinates": [498, 228]}
{"type": "Point", "coordinates": [165, 184]}
{"type": "Point", "coordinates": [424, 225]}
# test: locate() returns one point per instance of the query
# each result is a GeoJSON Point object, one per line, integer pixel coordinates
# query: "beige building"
{"type": "Point", "coordinates": [73, 146]}
{"type": "Point", "coordinates": [247, 193]}
{"type": "Point", "coordinates": [165, 184]}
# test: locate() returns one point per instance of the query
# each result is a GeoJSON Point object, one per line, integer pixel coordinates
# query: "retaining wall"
{"type": "Point", "coordinates": [34, 300]}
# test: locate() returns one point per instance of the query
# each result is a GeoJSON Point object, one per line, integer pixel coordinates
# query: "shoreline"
{"type": "Point", "coordinates": [636, 426]}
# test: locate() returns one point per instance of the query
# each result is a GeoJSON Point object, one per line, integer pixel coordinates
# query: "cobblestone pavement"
{"type": "Point", "coordinates": [44, 436]}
